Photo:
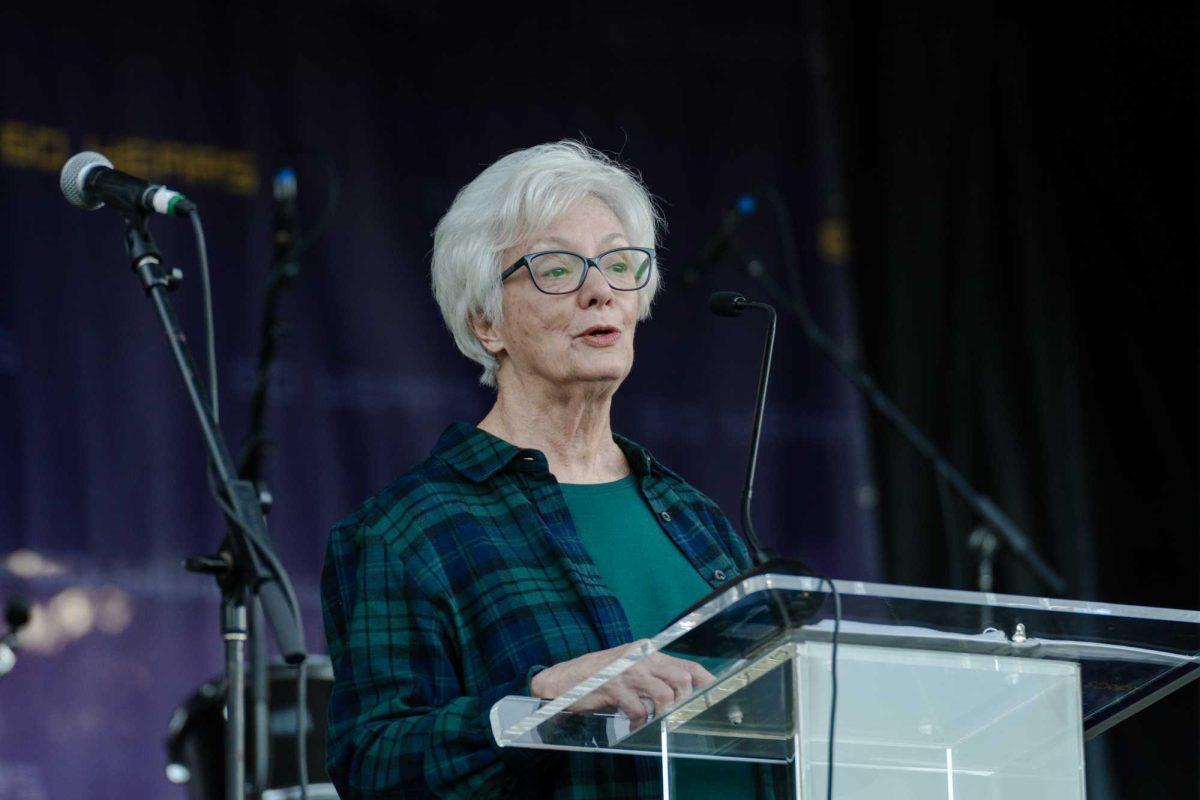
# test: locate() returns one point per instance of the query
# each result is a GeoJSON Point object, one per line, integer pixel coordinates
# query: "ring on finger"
{"type": "Point", "coordinates": [648, 704]}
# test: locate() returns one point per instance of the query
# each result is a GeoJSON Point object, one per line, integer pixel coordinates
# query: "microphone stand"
{"type": "Point", "coordinates": [252, 458]}
{"type": "Point", "coordinates": [244, 564]}
{"type": "Point", "coordinates": [994, 519]}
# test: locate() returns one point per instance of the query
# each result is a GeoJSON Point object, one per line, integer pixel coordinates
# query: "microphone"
{"type": "Point", "coordinates": [728, 304]}
{"type": "Point", "coordinates": [733, 304]}
{"type": "Point", "coordinates": [16, 614]}
{"type": "Point", "coordinates": [721, 241]}
{"type": "Point", "coordinates": [88, 181]}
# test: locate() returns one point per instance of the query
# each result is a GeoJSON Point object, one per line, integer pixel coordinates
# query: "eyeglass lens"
{"type": "Point", "coordinates": [559, 273]}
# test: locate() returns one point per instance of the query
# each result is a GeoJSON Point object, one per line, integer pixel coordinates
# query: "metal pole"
{"type": "Point", "coordinates": [233, 630]}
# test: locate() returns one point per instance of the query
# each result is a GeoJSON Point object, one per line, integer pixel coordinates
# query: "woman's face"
{"type": "Point", "coordinates": [568, 339]}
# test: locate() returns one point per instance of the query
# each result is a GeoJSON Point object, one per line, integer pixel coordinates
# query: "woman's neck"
{"type": "Point", "coordinates": [572, 427]}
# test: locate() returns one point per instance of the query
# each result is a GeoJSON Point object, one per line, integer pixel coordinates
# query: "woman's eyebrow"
{"type": "Point", "coordinates": [554, 241]}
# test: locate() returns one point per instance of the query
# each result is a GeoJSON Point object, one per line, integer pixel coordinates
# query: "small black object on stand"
{"type": "Point", "coordinates": [244, 565]}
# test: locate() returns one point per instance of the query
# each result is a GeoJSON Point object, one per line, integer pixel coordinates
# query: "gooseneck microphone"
{"type": "Point", "coordinates": [728, 304]}
{"type": "Point", "coordinates": [734, 304]}
{"type": "Point", "coordinates": [89, 181]}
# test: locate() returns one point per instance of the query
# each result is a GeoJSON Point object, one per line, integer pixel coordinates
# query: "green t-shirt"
{"type": "Point", "coordinates": [654, 582]}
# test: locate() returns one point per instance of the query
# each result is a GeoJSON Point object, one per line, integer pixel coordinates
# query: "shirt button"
{"type": "Point", "coordinates": [666, 516]}
{"type": "Point", "coordinates": [719, 575]}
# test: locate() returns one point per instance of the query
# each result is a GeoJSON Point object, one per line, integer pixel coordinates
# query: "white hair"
{"type": "Point", "coordinates": [513, 199]}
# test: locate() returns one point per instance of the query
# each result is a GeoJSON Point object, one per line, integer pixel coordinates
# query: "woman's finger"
{"type": "Point", "coordinates": [626, 700]}
{"type": "Point", "coordinates": [653, 687]}
{"type": "Point", "coordinates": [672, 666]}
{"type": "Point", "coordinates": [678, 677]}
{"type": "Point", "coordinates": [700, 676]}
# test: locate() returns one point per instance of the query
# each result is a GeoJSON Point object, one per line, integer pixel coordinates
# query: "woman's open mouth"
{"type": "Point", "coordinates": [600, 335]}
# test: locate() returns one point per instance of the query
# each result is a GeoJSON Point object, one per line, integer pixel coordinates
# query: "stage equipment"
{"type": "Point", "coordinates": [195, 751]}
{"type": "Point", "coordinates": [929, 704]}
{"type": "Point", "coordinates": [88, 181]}
{"type": "Point", "coordinates": [16, 614]}
{"type": "Point", "coordinates": [245, 563]}
{"type": "Point", "coordinates": [285, 237]}
{"type": "Point", "coordinates": [992, 516]}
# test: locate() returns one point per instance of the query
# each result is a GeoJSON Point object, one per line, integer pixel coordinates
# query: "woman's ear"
{"type": "Point", "coordinates": [487, 333]}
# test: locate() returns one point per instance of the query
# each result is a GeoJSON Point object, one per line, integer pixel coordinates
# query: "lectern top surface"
{"type": "Point", "coordinates": [1128, 656]}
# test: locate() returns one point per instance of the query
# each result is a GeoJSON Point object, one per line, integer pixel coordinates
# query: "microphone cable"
{"type": "Point", "coordinates": [210, 344]}
{"type": "Point", "coordinates": [833, 686]}
{"type": "Point", "coordinates": [302, 727]}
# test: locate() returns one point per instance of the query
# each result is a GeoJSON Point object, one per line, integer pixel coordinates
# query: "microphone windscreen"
{"type": "Point", "coordinates": [70, 180]}
{"type": "Point", "coordinates": [727, 304]}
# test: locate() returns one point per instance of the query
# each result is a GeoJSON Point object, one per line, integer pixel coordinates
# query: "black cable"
{"type": "Point", "coordinates": [210, 346]}
{"type": "Point", "coordinates": [210, 343]}
{"type": "Point", "coordinates": [837, 624]}
{"type": "Point", "coordinates": [302, 727]}
{"type": "Point", "coordinates": [260, 548]}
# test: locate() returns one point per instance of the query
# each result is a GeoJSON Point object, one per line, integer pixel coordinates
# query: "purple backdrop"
{"type": "Point", "coordinates": [101, 472]}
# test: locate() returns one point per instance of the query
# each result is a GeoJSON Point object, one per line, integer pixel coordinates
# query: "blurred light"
{"type": "Point", "coordinates": [26, 563]}
{"type": "Point", "coordinates": [178, 773]}
{"type": "Point", "coordinates": [74, 613]}
{"type": "Point", "coordinates": [867, 496]}
{"type": "Point", "coordinates": [72, 610]}
{"type": "Point", "coordinates": [8, 659]}
{"type": "Point", "coordinates": [41, 635]}
{"type": "Point", "coordinates": [114, 610]}
{"type": "Point", "coordinates": [833, 241]}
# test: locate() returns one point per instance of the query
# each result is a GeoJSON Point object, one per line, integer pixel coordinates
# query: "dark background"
{"type": "Point", "coordinates": [1024, 204]}
{"type": "Point", "coordinates": [997, 210]}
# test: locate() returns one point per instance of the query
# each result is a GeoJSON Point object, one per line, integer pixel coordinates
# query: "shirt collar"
{"type": "Point", "coordinates": [478, 455]}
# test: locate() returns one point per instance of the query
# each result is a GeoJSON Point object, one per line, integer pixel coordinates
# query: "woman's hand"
{"type": "Point", "coordinates": [662, 679]}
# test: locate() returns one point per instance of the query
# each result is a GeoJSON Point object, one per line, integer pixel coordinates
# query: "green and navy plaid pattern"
{"type": "Point", "coordinates": [449, 589]}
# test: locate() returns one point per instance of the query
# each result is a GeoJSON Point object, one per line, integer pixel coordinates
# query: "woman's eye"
{"type": "Point", "coordinates": [554, 272]}
{"type": "Point", "coordinates": [619, 267]}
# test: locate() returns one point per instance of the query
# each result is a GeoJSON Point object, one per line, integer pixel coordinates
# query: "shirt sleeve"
{"type": "Point", "coordinates": [400, 722]}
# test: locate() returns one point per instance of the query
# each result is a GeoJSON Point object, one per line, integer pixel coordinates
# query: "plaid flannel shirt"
{"type": "Point", "coordinates": [449, 589]}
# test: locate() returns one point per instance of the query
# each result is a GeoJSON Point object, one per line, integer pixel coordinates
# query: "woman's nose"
{"type": "Point", "coordinates": [595, 287]}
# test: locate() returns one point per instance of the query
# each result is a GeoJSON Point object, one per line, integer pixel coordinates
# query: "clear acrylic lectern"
{"type": "Point", "coordinates": [939, 693]}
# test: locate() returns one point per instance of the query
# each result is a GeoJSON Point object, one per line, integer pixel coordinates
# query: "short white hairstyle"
{"type": "Point", "coordinates": [513, 199]}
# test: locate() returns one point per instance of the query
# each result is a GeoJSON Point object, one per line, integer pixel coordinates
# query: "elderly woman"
{"type": "Point", "coordinates": [534, 548]}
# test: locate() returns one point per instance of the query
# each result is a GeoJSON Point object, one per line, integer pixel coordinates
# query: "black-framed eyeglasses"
{"type": "Point", "coordinates": [561, 272]}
